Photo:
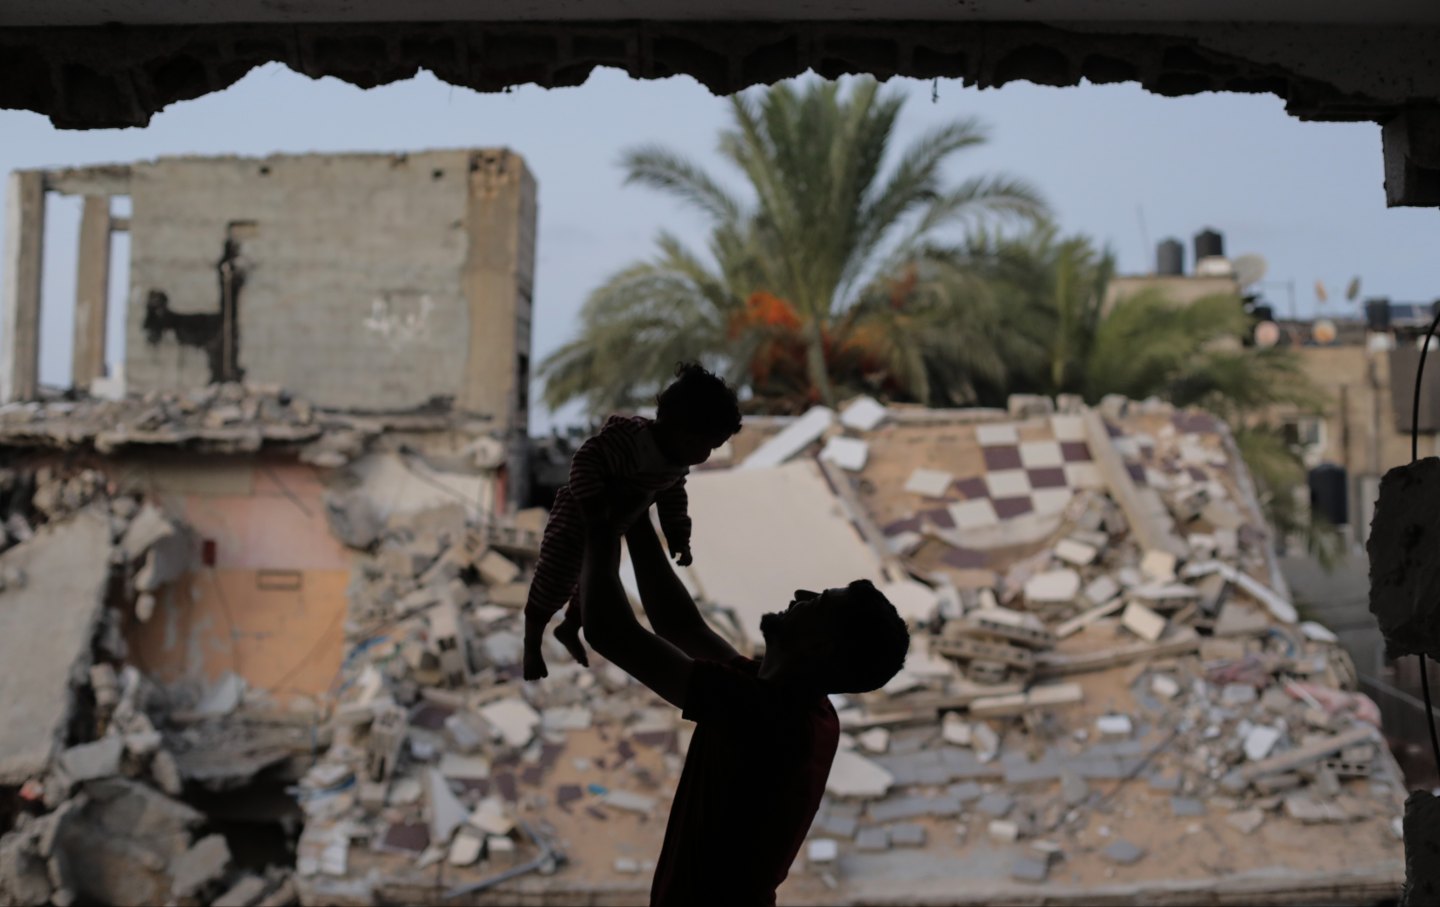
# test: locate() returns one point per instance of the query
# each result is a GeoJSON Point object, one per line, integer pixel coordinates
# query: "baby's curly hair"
{"type": "Point", "coordinates": [699, 401]}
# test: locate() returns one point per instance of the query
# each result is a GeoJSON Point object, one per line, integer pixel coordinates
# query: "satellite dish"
{"type": "Point", "coordinates": [1353, 288]}
{"type": "Point", "coordinates": [1250, 269]}
{"type": "Point", "coordinates": [1267, 334]}
{"type": "Point", "coordinates": [1324, 332]}
{"type": "Point", "coordinates": [1214, 266]}
{"type": "Point", "coordinates": [1320, 293]}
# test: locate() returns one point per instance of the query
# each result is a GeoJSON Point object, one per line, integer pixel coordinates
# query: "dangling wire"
{"type": "Point", "coordinates": [934, 91]}
{"type": "Point", "coordinates": [1414, 456]}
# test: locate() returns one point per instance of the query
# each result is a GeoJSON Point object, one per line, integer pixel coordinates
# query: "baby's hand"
{"type": "Point", "coordinates": [682, 557]}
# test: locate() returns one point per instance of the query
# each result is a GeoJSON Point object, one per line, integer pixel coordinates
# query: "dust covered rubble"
{"type": "Point", "coordinates": [104, 821]}
{"type": "Point", "coordinates": [1043, 708]}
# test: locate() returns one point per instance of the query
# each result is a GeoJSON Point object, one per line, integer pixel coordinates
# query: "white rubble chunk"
{"type": "Point", "coordinates": [930, 483]}
{"type": "Point", "coordinates": [1077, 553]}
{"type": "Point", "coordinates": [497, 569]}
{"type": "Point", "coordinates": [1158, 565]}
{"type": "Point", "coordinates": [1003, 831]}
{"type": "Point", "coordinates": [566, 718]}
{"type": "Point", "coordinates": [1317, 632]}
{"type": "Point", "coordinates": [1164, 686]}
{"type": "Point", "coordinates": [914, 600]}
{"type": "Point", "coordinates": [629, 801]}
{"type": "Point", "coordinates": [513, 718]}
{"type": "Point", "coordinates": [863, 414]}
{"type": "Point", "coordinates": [91, 761]}
{"type": "Point", "coordinates": [850, 454]}
{"type": "Point", "coordinates": [875, 740]}
{"type": "Point", "coordinates": [852, 775]}
{"type": "Point", "coordinates": [976, 514]}
{"type": "Point", "coordinates": [956, 730]}
{"type": "Point", "coordinates": [1260, 741]}
{"type": "Point", "coordinates": [792, 439]}
{"type": "Point", "coordinates": [1101, 589]}
{"type": "Point", "coordinates": [1114, 725]}
{"type": "Point", "coordinates": [444, 810]}
{"type": "Point", "coordinates": [823, 850]}
{"type": "Point", "coordinates": [465, 850]}
{"type": "Point", "coordinates": [1143, 622]}
{"type": "Point", "coordinates": [491, 817]}
{"type": "Point", "coordinates": [997, 433]}
{"type": "Point", "coordinates": [1053, 587]}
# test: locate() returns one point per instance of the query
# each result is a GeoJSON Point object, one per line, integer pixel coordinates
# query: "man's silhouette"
{"type": "Point", "coordinates": [765, 731]}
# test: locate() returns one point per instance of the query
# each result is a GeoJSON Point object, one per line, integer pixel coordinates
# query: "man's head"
{"type": "Point", "coordinates": [844, 640]}
{"type": "Point", "coordinates": [694, 415]}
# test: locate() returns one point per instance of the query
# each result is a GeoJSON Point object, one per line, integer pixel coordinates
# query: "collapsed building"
{"type": "Point", "coordinates": [264, 636]}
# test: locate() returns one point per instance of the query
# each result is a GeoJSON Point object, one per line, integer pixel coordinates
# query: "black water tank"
{"type": "Point", "coordinates": [1328, 495]}
{"type": "Point", "coordinates": [1170, 258]}
{"type": "Point", "coordinates": [1263, 313]}
{"type": "Point", "coordinates": [1377, 314]}
{"type": "Point", "coordinates": [1208, 243]}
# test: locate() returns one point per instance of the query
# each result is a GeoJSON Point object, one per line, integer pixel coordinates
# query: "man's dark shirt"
{"type": "Point", "coordinates": [753, 779]}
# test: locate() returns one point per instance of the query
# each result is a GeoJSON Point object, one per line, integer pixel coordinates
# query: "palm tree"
{"type": "Point", "coordinates": [822, 227]}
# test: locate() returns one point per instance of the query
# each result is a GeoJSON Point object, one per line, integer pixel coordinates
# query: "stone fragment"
{"type": "Point", "coordinates": [444, 811]}
{"type": "Point", "coordinates": [850, 454]}
{"type": "Point", "coordinates": [1143, 622]}
{"type": "Point", "coordinates": [1123, 852]}
{"type": "Point", "coordinates": [629, 801]}
{"type": "Point", "coordinates": [1164, 686]}
{"type": "Point", "coordinates": [863, 414]}
{"type": "Point", "coordinates": [929, 483]}
{"type": "Point", "coordinates": [496, 569]}
{"type": "Point", "coordinates": [89, 761]}
{"type": "Point", "coordinates": [1053, 587]}
{"type": "Point", "coordinates": [1073, 788]}
{"type": "Point", "coordinates": [1029, 869]}
{"type": "Point", "coordinates": [1260, 741]}
{"type": "Point", "coordinates": [873, 839]}
{"type": "Point", "coordinates": [245, 893]}
{"type": "Point", "coordinates": [875, 740]}
{"type": "Point", "coordinates": [199, 867]}
{"type": "Point", "coordinates": [907, 834]}
{"type": "Point", "coordinates": [1114, 725]}
{"type": "Point", "coordinates": [954, 729]}
{"type": "Point", "coordinates": [1158, 565]}
{"type": "Point", "coordinates": [1245, 821]}
{"type": "Point", "coordinates": [1078, 553]}
{"type": "Point", "coordinates": [465, 850]}
{"type": "Point", "coordinates": [491, 817]}
{"type": "Point", "coordinates": [513, 719]}
{"type": "Point", "coordinates": [500, 851]}
{"type": "Point", "coordinates": [1003, 831]}
{"type": "Point", "coordinates": [626, 865]}
{"type": "Point", "coordinates": [1186, 807]}
{"type": "Point", "coordinates": [822, 850]}
{"type": "Point", "coordinates": [852, 775]}
{"type": "Point", "coordinates": [1101, 589]}
{"type": "Point", "coordinates": [996, 804]}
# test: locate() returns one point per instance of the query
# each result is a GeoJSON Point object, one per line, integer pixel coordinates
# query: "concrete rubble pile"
{"type": "Point", "coordinates": [1090, 695]}
{"type": "Point", "coordinates": [219, 418]}
{"type": "Point", "coordinates": [101, 784]}
{"type": "Point", "coordinates": [444, 764]}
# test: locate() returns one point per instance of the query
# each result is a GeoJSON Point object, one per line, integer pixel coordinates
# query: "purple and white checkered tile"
{"type": "Point", "coordinates": [994, 434]}
{"type": "Point", "coordinates": [1008, 483]}
{"type": "Point", "coordinates": [1038, 454]}
{"type": "Point", "coordinates": [1075, 451]}
{"type": "Point", "coordinates": [1004, 456]}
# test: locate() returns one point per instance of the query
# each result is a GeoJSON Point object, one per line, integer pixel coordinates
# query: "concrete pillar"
{"type": "Point", "coordinates": [20, 300]}
{"type": "Point", "coordinates": [1411, 141]}
{"type": "Point", "coordinates": [498, 285]}
{"type": "Point", "coordinates": [92, 286]}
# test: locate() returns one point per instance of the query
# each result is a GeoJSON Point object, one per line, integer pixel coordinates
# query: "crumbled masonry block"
{"type": "Point", "coordinates": [863, 414]}
{"type": "Point", "coordinates": [1101, 589]}
{"type": "Point", "coordinates": [1029, 869]}
{"type": "Point", "coordinates": [1052, 587]}
{"type": "Point", "coordinates": [873, 839]}
{"type": "Point", "coordinates": [1123, 852]}
{"type": "Point", "coordinates": [199, 867]}
{"type": "Point", "coordinates": [1114, 726]}
{"type": "Point", "coordinates": [500, 851]}
{"type": "Point", "coordinates": [1404, 568]}
{"type": "Point", "coordinates": [1003, 831]}
{"type": "Point", "coordinates": [1143, 622]}
{"type": "Point", "coordinates": [850, 454]}
{"type": "Point", "coordinates": [496, 569]}
{"type": "Point", "coordinates": [465, 850]}
{"type": "Point", "coordinates": [1073, 552]}
{"type": "Point", "coordinates": [626, 865]}
{"type": "Point", "coordinates": [1164, 686]}
{"type": "Point", "coordinates": [822, 850]}
{"type": "Point", "coordinates": [1260, 741]}
{"type": "Point", "coordinates": [1158, 565]}
{"type": "Point", "coordinates": [907, 834]}
{"type": "Point", "coordinates": [89, 761]}
{"type": "Point", "coordinates": [244, 893]}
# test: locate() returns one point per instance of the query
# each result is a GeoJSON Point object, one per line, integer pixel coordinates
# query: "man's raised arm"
{"type": "Point", "coordinates": [611, 627]}
{"type": "Point", "coordinates": [667, 602]}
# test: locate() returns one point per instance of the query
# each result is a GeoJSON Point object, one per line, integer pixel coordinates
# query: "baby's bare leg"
{"type": "Point", "coordinates": [568, 630]}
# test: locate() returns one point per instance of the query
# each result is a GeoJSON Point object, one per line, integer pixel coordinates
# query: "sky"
{"type": "Point", "coordinates": [1123, 166]}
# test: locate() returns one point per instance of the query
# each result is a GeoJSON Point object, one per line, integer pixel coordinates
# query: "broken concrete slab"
{"type": "Point", "coordinates": [89, 761]}
{"type": "Point", "coordinates": [850, 454]}
{"type": "Point", "coordinates": [443, 809]}
{"type": "Point", "coordinates": [1260, 741]}
{"type": "Point", "coordinates": [1052, 587]}
{"type": "Point", "coordinates": [496, 569]}
{"type": "Point", "coordinates": [244, 893]}
{"type": "Point", "coordinates": [513, 719]}
{"type": "Point", "coordinates": [1123, 852]}
{"type": "Point", "coordinates": [863, 414]}
{"type": "Point", "coordinates": [822, 851]}
{"type": "Point", "coordinates": [629, 801]}
{"type": "Point", "coordinates": [466, 849]}
{"type": "Point", "coordinates": [200, 867]}
{"type": "Point", "coordinates": [907, 834]}
{"type": "Point", "coordinates": [40, 643]}
{"type": "Point", "coordinates": [791, 439]}
{"type": "Point", "coordinates": [852, 775]}
{"type": "Point", "coordinates": [1029, 869]}
{"type": "Point", "coordinates": [1143, 622]}
{"type": "Point", "coordinates": [873, 839]}
{"type": "Point", "coordinates": [1003, 831]}
{"type": "Point", "coordinates": [1077, 553]}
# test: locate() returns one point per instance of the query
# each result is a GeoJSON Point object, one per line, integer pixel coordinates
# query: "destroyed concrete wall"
{"type": "Point", "coordinates": [54, 589]}
{"type": "Point", "coordinates": [261, 614]}
{"type": "Point", "coordinates": [359, 281]}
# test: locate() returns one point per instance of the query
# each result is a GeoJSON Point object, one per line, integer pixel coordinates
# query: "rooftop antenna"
{"type": "Point", "coordinates": [1144, 234]}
